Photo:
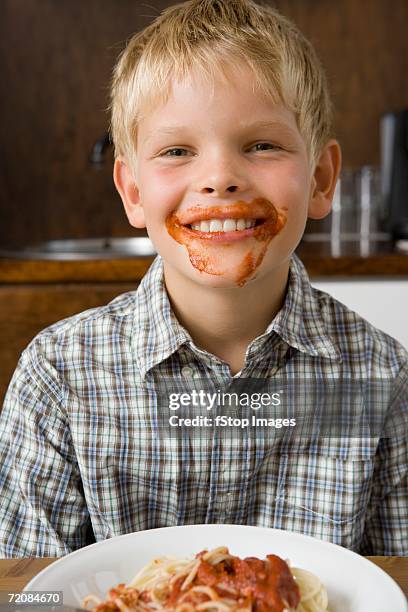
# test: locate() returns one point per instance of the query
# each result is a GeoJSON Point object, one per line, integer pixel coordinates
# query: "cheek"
{"type": "Point", "coordinates": [286, 184]}
{"type": "Point", "coordinates": [160, 195]}
{"type": "Point", "coordinates": [290, 193]}
{"type": "Point", "coordinates": [165, 176]}
{"type": "Point", "coordinates": [163, 182]}
{"type": "Point", "coordinates": [294, 184]}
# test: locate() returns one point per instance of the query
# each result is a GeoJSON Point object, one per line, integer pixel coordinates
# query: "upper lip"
{"type": "Point", "coordinates": [257, 209]}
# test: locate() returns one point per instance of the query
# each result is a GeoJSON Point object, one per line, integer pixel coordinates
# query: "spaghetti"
{"type": "Point", "coordinates": [216, 581]}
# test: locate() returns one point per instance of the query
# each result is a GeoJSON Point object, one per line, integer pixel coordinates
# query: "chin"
{"type": "Point", "coordinates": [231, 278]}
{"type": "Point", "coordinates": [225, 281]}
{"type": "Point", "coordinates": [226, 268]}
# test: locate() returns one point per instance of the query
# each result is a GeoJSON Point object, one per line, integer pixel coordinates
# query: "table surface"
{"type": "Point", "coordinates": [15, 573]}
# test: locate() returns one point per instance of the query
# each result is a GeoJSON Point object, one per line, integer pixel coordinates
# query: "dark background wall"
{"type": "Point", "coordinates": [56, 58]}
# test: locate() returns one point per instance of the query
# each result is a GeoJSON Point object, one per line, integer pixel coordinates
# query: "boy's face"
{"type": "Point", "coordinates": [213, 154]}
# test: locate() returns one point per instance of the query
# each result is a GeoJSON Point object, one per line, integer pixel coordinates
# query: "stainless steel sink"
{"type": "Point", "coordinates": [91, 248]}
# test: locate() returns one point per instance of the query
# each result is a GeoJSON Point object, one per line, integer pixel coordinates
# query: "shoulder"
{"type": "Point", "coordinates": [359, 342]}
{"type": "Point", "coordinates": [95, 345]}
{"type": "Point", "coordinates": [120, 309]}
{"type": "Point", "coordinates": [76, 341]}
{"type": "Point", "coordinates": [115, 319]}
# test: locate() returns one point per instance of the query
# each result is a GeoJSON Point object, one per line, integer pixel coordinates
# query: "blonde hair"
{"type": "Point", "coordinates": [212, 35]}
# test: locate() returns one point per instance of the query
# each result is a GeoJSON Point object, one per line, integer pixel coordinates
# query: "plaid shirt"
{"type": "Point", "coordinates": [82, 459]}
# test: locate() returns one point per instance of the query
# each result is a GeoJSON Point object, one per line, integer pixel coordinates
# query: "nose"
{"type": "Point", "coordinates": [221, 176]}
{"type": "Point", "coordinates": [230, 188]}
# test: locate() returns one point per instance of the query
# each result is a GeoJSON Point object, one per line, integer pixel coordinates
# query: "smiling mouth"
{"type": "Point", "coordinates": [228, 223]}
{"type": "Point", "coordinates": [239, 219]}
{"type": "Point", "coordinates": [224, 225]}
{"type": "Point", "coordinates": [209, 232]}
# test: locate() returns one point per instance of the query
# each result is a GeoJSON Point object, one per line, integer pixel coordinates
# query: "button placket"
{"type": "Point", "coordinates": [187, 371]}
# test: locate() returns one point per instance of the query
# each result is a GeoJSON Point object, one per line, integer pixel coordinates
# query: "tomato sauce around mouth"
{"type": "Point", "coordinates": [207, 250]}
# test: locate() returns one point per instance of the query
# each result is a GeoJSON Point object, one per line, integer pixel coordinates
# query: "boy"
{"type": "Point", "coordinates": [221, 125]}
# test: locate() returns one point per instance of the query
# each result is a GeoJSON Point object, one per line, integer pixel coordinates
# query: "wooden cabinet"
{"type": "Point", "coordinates": [27, 309]}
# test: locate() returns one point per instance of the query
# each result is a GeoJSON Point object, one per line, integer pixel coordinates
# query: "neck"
{"type": "Point", "coordinates": [223, 321]}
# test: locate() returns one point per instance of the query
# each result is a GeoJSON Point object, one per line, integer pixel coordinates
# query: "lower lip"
{"type": "Point", "coordinates": [233, 236]}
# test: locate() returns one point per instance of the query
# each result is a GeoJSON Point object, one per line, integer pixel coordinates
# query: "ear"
{"type": "Point", "coordinates": [324, 180]}
{"type": "Point", "coordinates": [128, 191]}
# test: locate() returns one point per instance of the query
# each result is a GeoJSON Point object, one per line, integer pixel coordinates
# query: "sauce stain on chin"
{"type": "Point", "coordinates": [208, 257]}
{"type": "Point", "coordinates": [203, 263]}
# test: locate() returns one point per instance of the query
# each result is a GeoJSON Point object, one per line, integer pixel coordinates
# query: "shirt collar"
{"type": "Point", "coordinates": [157, 333]}
{"type": "Point", "coordinates": [300, 322]}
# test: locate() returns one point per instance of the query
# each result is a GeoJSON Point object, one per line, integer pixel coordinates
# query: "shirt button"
{"type": "Point", "coordinates": [186, 371]}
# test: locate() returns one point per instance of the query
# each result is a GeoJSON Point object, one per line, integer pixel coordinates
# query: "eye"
{"type": "Point", "coordinates": [176, 152]}
{"type": "Point", "coordinates": [266, 146]}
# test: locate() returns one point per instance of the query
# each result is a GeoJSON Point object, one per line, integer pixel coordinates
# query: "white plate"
{"type": "Point", "coordinates": [354, 584]}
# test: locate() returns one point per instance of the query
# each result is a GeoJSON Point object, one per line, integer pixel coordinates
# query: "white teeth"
{"type": "Point", "coordinates": [227, 225]}
{"type": "Point", "coordinates": [216, 225]}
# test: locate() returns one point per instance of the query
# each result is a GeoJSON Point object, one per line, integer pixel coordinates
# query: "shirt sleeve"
{"type": "Point", "coordinates": [43, 512]}
{"type": "Point", "coordinates": [386, 528]}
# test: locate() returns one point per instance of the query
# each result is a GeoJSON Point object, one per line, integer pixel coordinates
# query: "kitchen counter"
{"type": "Point", "coordinates": [383, 262]}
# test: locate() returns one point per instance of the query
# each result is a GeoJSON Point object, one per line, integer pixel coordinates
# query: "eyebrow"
{"type": "Point", "coordinates": [170, 129]}
{"type": "Point", "coordinates": [174, 129]}
{"type": "Point", "coordinates": [267, 124]}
